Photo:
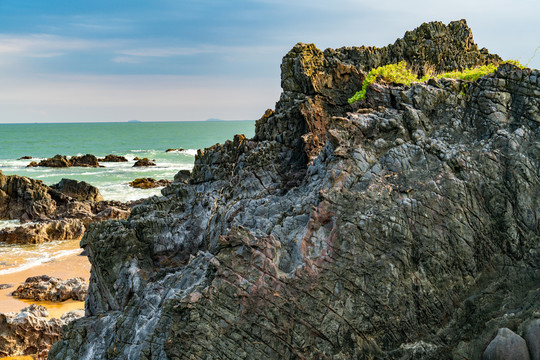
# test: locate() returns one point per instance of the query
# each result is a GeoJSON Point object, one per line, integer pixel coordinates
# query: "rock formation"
{"type": "Point", "coordinates": [113, 158]}
{"type": "Point", "coordinates": [46, 288]}
{"type": "Point", "coordinates": [30, 332]}
{"type": "Point", "coordinates": [62, 161]}
{"type": "Point", "coordinates": [149, 183]}
{"type": "Point", "coordinates": [78, 190]}
{"type": "Point", "coordinates": [55, 213]}
{"type": "Point", "coordinates": [405, 229]}
{"type": "Point", "coordinates": [143, 162]}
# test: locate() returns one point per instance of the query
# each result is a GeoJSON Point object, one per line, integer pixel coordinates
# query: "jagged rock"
{"type": "Point", "coordinates": [46, 288]}
{"type": "Point", "coordinates": [149, 183]}
{"type": "Point", "coordinates": [507, 345]}
{"type": "Point", "coordinates": [79, 190]}
{"type": "Point", "coordinates": [144, 162]}
{"type": "Point", "coordinates": [113, 158]}
{"type": "Point", "coordinates": [40, 232]}
{"type": "Point", "coordinates": [532, 336]}
{"type": "Point", "coordinates": [30, 332]}
{"type": "Point", "coordinates": [182, 176]}
{"type": "Point", "coordinates": [399, 231]}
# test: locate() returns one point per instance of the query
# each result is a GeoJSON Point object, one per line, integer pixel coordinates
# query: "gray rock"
{"type": "Point", "coordinates": [507, 345]}
{"type": "Point", "coordinates": [79, 190]}
{"type": "Point", "coordinates": [532, 336]}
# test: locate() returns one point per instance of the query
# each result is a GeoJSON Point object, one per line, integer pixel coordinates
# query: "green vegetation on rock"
{"type": "Point", "coordinates": [401, 74]}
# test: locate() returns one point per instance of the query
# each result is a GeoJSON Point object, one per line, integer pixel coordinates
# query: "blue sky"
{"type": "Point", "coordinates": [165, 60]}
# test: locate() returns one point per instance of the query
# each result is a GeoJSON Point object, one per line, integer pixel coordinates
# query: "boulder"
{"type": "Point", "coordinates": [25, 157]}
{"type": "Point", "coordinates": [79, 190]}
{"type": "Point", "coordinates": [148, 183]}
{"type": "Point", "coordinates": [144, 162]}
{"type": "Point", "coordinates": [113, 158]}
{"type": "Point", "coordinates": [532, 336]}
{"type": "Point", "coordinates": [507, 345]}
{"type": "Point", "coordinates": [31, 332]}
{"type": "Point", "coordinates": [45, 231]}
{"type": "Point", "coordinates": [46, 288]}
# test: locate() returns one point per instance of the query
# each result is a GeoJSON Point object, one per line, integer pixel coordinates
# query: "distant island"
{"type": "Point", "coordinates": [134, 121]}
{"type": "Point", "coordinates": [213, 120]}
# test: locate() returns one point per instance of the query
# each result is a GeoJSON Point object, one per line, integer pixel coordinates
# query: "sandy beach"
{"type": "Point", "coordinates": [65, 267]}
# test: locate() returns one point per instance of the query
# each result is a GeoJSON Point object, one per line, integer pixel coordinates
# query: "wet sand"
{"type": "Point", "coordinates": [65, 267]}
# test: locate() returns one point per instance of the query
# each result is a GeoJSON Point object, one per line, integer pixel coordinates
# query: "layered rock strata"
{"type": "Point", "coordinates": [406, 230]}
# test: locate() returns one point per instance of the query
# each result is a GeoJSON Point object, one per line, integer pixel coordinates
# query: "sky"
{"type": "Point", "coordinates": [190, 60]}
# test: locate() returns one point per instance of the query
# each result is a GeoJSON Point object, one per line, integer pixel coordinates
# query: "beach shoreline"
{"type": "Point", "coordinates": [65, 267]}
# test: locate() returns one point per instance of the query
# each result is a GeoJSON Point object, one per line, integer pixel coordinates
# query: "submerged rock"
{"type": "Point", "coordinates": [46, 288]}
{"type": "Point", "coordinates": [149, 183]}
{"type": "Point", "coordinates": [31, 332]}
{"type": "Point", "coordinates": [405, 229]}
{"type": "Point", "coordinates": [113, 158]}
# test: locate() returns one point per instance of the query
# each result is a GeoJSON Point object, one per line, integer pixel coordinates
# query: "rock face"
{"type": "Point", "coordinates": [46, 288]}
{"type": "Point", "coordinates": [113, 158]}
{"type": "Point", "coordinates": [143, 162]}
{"type": "Point", "coordinates": [79, 190]}
{"type": "Point", "coordinates": [407, 230]}
{"type": "Point", "coordinates": [30, 332]}
{"type": "Point", "coordinates": [149, 183]}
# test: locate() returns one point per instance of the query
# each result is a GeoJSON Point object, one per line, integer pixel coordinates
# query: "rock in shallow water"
{"type": "Point", "coordinates": [46, 288]}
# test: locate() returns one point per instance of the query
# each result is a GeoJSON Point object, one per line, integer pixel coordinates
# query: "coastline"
{"type": "Point", "coordinates": [65, 267]}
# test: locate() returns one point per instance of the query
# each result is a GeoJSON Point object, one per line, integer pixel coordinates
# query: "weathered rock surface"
{"type": "Point", "coordinates": [30, 332]}
{"type": "Point", "coordinates": [79, 190]}
{"type": "Point", "coordinates": [149, 183]}
{"type": "Point", "coordinates": [143, 162]}
{"type": "Point", "coordinates": [532, 336]}
{"type": "Point", "coordinates": [182, 176]}
{"type": "Point", "coordinates": [46, 288]}
{"type": "Point", "coordinates": [407, 230]}
{"type": "Point", "coordinates": [113, 158]}
{"type": "Point", "coordinates": [54, 213]}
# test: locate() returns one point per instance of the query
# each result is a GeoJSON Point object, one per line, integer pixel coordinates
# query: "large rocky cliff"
{"type": "Point", "coordinates": [406, 227]}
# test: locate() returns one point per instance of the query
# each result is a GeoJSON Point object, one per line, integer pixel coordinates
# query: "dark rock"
{"type": "Point", "coordinates": [87, 160]}
{"type": "Point", "coordinates": [5, 286]}
{"type": "Point", "coordinates": [144, 162]}
{"type": "Point", "coordinates": [31, 332]}
{"type": "Point", "coordinates": [174, 150]}
{"type": "Point", "coordinates": [182, 176]}
{"type": "Point", "coordinates": [25, 158]}
{"type": "Point", "coordinates": [79, 190]}
{"type": "Point", "coordinates": [46, 288]}
{"type": "Point", "coordinates": [532, 336]}
{"type": "Point", "coordinates": [113, 158]}
{"type": "Point", "coordinates": [507, 345]}
{"type": "Point", "coordinates": [136, 158]}
{"type": "Point", "coordinates": [32, 164]}
{"type": "Point", "coordinates": [148, 183]}
{"type": "Point", "coordinates": [59, 161]}
{"type": "Point", "coordinates": [405, 229]}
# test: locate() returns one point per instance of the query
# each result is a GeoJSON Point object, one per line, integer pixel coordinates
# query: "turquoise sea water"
{"type": "Point", "coordinates": [146, 139]}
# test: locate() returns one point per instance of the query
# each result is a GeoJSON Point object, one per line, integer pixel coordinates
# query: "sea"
{"type": "Point", "coordinates": [128, 139]}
